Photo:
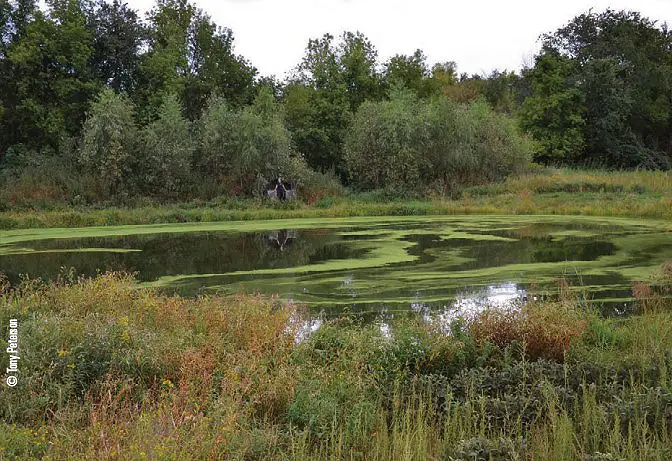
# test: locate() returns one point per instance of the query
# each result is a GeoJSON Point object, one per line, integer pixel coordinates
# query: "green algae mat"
{"type": "Point", "coordinates": [361, 264]}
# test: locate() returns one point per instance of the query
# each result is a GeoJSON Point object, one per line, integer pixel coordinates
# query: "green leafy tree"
{"type": "Point", "coordinates": [243, 149]}
{"type": "Point", "coordinates": [472, 144]}
{"type": "Point", "coordinates": [192, 57]}
{"type": "Point", "coordinates": [385, 143]}
{"type": "Point", "coordinates": [336, 78]}
{"type": "Point", "coordinates": [618, 64]}
{"type": "Point", "coordinates": [214, 68]}
{"type": "Point", "coordinates": [501, 90]}
{"type": "Point", "coordinates": [109, 144]}
{"type": "Point", "coordinates": [443, 76]}
{"type": "Point", "coordinates": [410, 72]}
{"type": "Point", "coordinates": [554, 114]}
{"type": "Point", "coordinates": [167, 152]}
{"type": "Point", "coordinates": [411, 144]}
{"type": "Point", "coordinates": [165, 66]}
{"type": "Point", "coordinates": [51, 84]}
{"type": "Point", "coordinates": [358, 61]}
{"type": "Point", "coordinates": [118, 36]}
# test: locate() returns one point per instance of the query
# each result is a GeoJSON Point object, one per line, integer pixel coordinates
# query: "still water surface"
{"type": "Point", "coordinates": [428, 264]}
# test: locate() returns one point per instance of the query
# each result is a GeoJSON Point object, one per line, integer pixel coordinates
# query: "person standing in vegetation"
{"type": "Point", "coordinates": [280, 190]}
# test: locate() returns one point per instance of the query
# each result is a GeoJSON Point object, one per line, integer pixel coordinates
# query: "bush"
{"type": "Point", "coordinates": [110, 141]}
{"type": "Point", "coordinates": [406, 144]}
{"type": "Point", "coordinates": [246, 149]}
{"type": "Point", "coordinates": [471, 144]}
{"type": "Point", "coordinates": [385, 142]}
{"type": "Point", "coordinates": [168, 151]}
{"type": "Point", "coordinates": [546, 331]}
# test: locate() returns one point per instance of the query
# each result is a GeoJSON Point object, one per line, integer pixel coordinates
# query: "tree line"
{"type": "Point", "coordinates": [98, 103]}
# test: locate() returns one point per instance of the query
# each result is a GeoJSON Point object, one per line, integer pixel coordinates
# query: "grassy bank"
{"type": "Point", "coordinates": [625, 194]}
{"type": "Point", "coordinates": [109, 371]}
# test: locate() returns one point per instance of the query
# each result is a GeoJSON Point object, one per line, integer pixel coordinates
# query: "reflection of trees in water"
{"type": "Point", "coordinates": [220, 252]}
{"type": "Point", "coordinates": [217, 253]}
{"type": "Point", "coordinates": [535, 250]}
{"type": "Point", "coordinates": [176, 254]}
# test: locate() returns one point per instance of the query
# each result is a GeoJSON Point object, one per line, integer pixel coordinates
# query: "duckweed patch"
{"type": "Point", "coordinates": [363, 263]}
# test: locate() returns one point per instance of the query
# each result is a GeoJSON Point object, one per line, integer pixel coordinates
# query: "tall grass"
{"type": "Point", "coordinates": [640, 194]}
{"type": "Point", "coordinates": [109, 371]}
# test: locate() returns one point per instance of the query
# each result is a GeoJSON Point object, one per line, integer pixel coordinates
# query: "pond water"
{"type": "Point", "coordinates": [362, 264]}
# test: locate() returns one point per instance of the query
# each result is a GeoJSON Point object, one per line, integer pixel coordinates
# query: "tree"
{"type": "Point", "coordinates": [50, 80]}
{"type": "Point", "coordinates": [118, 36]}
{"type": "Point", "coordinates": [214, 68]}
{"type": "Point", "coordinates": [385, 144]}
{"type": "Point", "coordinates": [619, 65]}
{"type": "Point", "coordinates": [409, 72]}
{"type": "Point", "coordinates": [357, 59]}
{"type": "Point", "coordinates": [443, 76]}
{"type": "Point", "coordinates": [554, 114]}
{"type": "Point", "coordinates": [192, 57]}
{"type": "Point", "coordinates": [472, 144]}
{"type": "Point", "coordinates": [408, 143]}
{"type": "Point", "coordinates": [109, 145]}
{"type": "Point", "coordinates": [165, 66]}
{"type": "Point", "coordinates": [337, 78]}
{"type": "Point", "coordinates": [167, 152]}
{"type": "Point", "coordinates": [243, 149]}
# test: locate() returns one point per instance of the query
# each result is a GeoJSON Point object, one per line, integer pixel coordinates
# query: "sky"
{"type": "Point", "coordinates": [478, 35]}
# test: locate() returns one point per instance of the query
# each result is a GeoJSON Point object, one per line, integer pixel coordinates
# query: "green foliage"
{"type": "Point", "coordinates": [599, 89]}
{"type": "Point", "coordinates": [116, 371]}
{"type": "Point", "coordinates": [49, 83]}
{"type": "Point", "coordinates": [332, 81]}
{"type": "Point", "coordinates": [167, 152]}
{"type": "Point", "coordinates": [554, 114]}
{"type": "Point", "coordinates": [597, 96]}
{"type": "Point", "coordinates": [357, 58]}
{"type": "Point", "coordinates": [192, 57]}
{"type": "Point", "coordinates": [471, 144]}
{"type": "Point", "coordinates": [109, 145]}
{"type": "Point", "coordinates": [118, 35]}
{"type": "Point", "coordinates": [385, 143]}
{"type": "Point", "coordinates": [410, 72]}
{"type": "Point", "coordinates": [245, 149]}
{"type": "Point", "coordinates": [214, 68]}
{"type": "Point", "coordinates": [404, 142]}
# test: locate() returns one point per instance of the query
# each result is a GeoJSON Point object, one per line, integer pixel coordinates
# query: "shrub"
{"type": "Point", "coordinates": [545, 331]}
{"type": "Point", "coordinates": [405, 143]}
{"type": "Point", "coordinates": [167, 152]}
{"type": "Point", "coordinates": [471, 144]}
{"type": "Point", "coordinates": [244, 150]}
{"type": "Point", "coordinates": [385, 142]}
{"type": "Point", "coordinates": [109, 146]}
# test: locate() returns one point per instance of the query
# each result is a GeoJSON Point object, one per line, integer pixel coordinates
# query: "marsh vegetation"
{"type": "Point", "coordinates": [110, 371]}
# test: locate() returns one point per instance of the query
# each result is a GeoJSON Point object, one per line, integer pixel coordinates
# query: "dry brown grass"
{"type": "Point", "coordinates": [545, 331]}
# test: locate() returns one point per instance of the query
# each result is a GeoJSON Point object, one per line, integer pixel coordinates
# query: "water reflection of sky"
{"type": "Point", "coordinates": [465, 307]}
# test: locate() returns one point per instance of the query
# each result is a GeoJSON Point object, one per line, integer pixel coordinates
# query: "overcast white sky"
{"type": "Point", "coordinates": [479, 35]}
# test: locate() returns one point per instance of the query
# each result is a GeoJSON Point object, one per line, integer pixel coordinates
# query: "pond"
{"type": "Point", "coordinates": [372, 264]}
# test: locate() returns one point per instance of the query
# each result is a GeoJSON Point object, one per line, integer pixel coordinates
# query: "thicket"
{"type": "Point", "coordinates": [445, 146]}
{"type": "Point", "coordinates": [108, 370]}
